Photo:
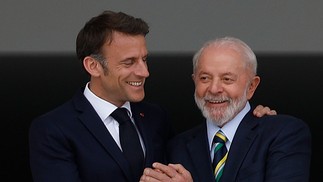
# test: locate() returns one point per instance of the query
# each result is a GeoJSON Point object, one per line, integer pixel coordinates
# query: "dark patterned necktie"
{"type": "Point", "coordinates": [220, 154]}
{"type": "Point", "coordinates": [129, 141]}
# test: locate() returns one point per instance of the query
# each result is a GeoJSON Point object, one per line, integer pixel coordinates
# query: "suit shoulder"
{"type": "Point", "coordinates": [61, 113]}
{"type": "Point", "coordinates": [283, 119]}
{"type": "Point", "coordinates": [62, 108]}
{"type": "Point", "coordinates": [283, 122]}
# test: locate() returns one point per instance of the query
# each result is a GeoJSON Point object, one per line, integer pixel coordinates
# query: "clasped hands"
{"type": "Point", "coordinates": [166, 173]}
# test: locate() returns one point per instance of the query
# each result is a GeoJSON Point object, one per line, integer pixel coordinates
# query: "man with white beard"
{"type": "Point", "coordinates": [232, 144]}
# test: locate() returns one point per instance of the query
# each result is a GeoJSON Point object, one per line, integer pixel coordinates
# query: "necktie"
{"type": "Point", "coordinates": [220, 154]}
{"type": "Point", "coordinates": [129, 141]}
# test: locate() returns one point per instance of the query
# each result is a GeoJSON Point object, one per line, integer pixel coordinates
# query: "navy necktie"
{"type": "Point", "coordinates": [220, 154]}
{"type": "Point", "coordinates": [129, 141]}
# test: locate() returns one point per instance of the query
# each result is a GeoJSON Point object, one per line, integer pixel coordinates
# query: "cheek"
{"type": "Point", "coordinates": [200, 90]}
{"type": "Point", "coordinates": [236, 91]}
{"type": "Point", "coordinates": [111, 80]}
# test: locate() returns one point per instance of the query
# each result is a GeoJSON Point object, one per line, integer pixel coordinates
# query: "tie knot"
{"type": "Point", "coordinates": [220, 137]}
{"type": "Point", "coordinates": [121, 115]}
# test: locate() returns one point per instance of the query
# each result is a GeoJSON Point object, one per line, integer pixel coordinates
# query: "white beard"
{"type": "Point", "coordinates": [221, 116]}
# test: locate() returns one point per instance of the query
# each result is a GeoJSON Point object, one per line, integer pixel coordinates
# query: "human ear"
{"type": "Point", "coordinates": [253, 86]}
{"type": "Point", "coordinates": [92, 66]}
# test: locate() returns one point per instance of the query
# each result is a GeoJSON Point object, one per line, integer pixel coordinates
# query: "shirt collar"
{"type": "Point", "coordinates": [103, 107]}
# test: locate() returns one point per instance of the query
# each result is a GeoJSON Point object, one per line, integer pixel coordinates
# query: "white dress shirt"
{"type": "Point", "coordinates": [104, 108]}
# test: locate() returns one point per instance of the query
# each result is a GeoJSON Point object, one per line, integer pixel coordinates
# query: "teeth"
{"type": "Point", "coordinates": [135, 83]}
{"type": "Point", "coordinates": [216, 101]}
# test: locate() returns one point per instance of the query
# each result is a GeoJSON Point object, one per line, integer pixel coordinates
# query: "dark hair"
{"type": "Point", "coordinates": [99, 29]}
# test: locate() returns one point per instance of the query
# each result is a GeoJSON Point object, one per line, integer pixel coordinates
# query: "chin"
{"type": "Point", "coordinates": [137, 99]}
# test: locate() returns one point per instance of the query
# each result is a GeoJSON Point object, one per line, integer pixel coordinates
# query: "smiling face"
{"type": "Point", "coordinates": [126, 69]}
{"type": "Point", "coordinates": [223, 83]}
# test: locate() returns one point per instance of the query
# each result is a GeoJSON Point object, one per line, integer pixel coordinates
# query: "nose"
{"type": "Point", "coordinates": [142, 69]}
{"type": "Point", "coordinates": [215, 87]}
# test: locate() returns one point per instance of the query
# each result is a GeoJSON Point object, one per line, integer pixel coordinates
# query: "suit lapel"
{"type": "Point", "coordinates": [240, 145]}
{"type": "Point", "coordinates": [199, 151]}
{"type": "Point", "coordinates": [96, 127]}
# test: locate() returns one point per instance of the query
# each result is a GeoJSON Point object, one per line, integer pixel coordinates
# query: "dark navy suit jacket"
{"type": "Point", "coordinates": [71, 143]}
{"type": "Point", "coordinates": [270, 148]}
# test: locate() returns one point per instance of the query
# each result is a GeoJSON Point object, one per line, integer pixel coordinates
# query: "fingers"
{"type": "Point", "coordinates": [272, 112]}
{"type": "Point", "coordinates": [156, 174]}
{"type": "Point", "coordinates": [167, 173]}
{"type": "Point", "coordinates": [261, 110]}
{"type": "Point", "coordinates": [186, 175]}
{"type": "Point", "coordinates": [152, 175]}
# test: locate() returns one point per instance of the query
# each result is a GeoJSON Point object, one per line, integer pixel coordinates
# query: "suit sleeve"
{"type": "Point", "coordinates": [290, 153]}
{"type": "Point", "coordinates": [51, 157]}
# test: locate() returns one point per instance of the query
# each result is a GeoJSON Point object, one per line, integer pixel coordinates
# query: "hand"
{"type": "Point", "coordinates": [166, 173]}
{"type": "Point", "coordinates": [260, 111]}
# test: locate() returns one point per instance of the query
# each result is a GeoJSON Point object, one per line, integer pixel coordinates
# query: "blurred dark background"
{"type": "Point", "coordinates": [33, 84]}
{"type": "Point", "coordinates": [39, 71]}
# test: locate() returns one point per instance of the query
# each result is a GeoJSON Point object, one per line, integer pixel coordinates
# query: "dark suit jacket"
{"type": "Point", "coordinates": [270, 148]}
{"type": "Point", "coordinates": [71, 143]}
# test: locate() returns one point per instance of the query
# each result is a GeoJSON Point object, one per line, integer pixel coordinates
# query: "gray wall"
{"type": "Point", "coordinates": [176, 25]}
